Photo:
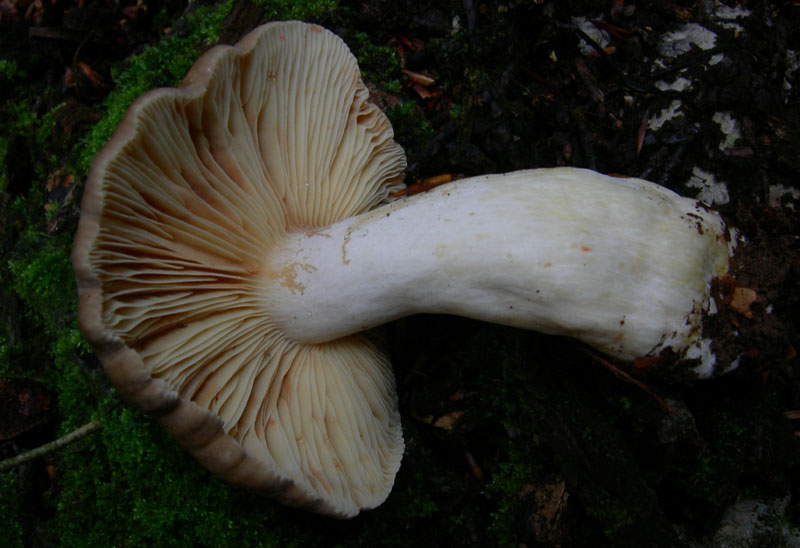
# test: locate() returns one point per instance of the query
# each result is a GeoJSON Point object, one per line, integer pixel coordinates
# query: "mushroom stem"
{"type": "Point", "coordinates": [623, 265]}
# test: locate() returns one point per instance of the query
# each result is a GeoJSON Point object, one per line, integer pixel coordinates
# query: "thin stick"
{"type": "Point", "coordinates": [626, 377]}
{"type": "Point", "coordinates": [51, 447]}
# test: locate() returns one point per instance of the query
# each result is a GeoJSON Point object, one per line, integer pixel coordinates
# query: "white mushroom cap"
{"type": "Point", "coordinates": [181, 207]}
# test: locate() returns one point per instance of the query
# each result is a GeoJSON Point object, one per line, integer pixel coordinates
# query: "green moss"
{"type": "Point", "coordinates": [456, 111]}
{"type": "Point", "coordinates": [7, 350]}
{"type": "Point", "coordinates": [164, 64]}
{"type": "Point", "coordinates": [378, 64]}
{"type": "Point", "coordinates": [10, 512]}
{"type": "Point", "coordinates": [42, 279]}
{"type": "Point", "coordinates": [38, 282]}
{"type": "Point", "coordinates": [411, 126]}
{"type": "Point", "coordinates": [613, 514]}
{"type": "Point", "coordinates": [23, 121]}
{"type": "Point", "coordinates": [489, 366]}
{"type": "Point", "coordinates": [8, 70]}
{"type": "Point", "coordinates": [3, 154]}
{"type": "Point", "coordinates": [30, 131]}
{"type": "Point", "coordinates": [132, 486]}
{"type": "Point", "coordinates": [514, 473]}
{"type": "Point", "coordinates": [40, 275]}
{"type": "Point", "coordinates": [303, 10]}
{"type": "Point", "coordinates": [393, 86]}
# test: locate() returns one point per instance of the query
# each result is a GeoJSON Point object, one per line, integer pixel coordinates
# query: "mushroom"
{"type": "Point", "coordinates": [238, 241]}
{"type": "Point", "coordinates": [624, 265]}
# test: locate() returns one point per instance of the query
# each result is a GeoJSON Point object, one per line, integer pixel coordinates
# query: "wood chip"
{"type": "Point", "coordinates": [449, 420]}
{"type": "Point", "coordinates": [741, 300]}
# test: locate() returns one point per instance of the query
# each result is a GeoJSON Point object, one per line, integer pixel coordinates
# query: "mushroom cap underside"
{"type": "Point", "coordinates": [271, 136]}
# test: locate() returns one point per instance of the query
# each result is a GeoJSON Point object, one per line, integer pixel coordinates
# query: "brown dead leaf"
{"type": "Point", "coordinates": [419, 77]}
{"type": "Point", "coordinates": [449, 420]}
{"type": "Point", "coordinates": [646, 362]}
{"type": "Point", "coordinates": [741, 299]}
{"type": "Point", "coordinates": [616, 8]}
{"type": "Point", "coordinates": [681, 13]}
{"type": "Point", "coordinates": [58, 178]}
{"type": "Point", "coordinates": [95, 79]}
{"type": "Point", "coordinates": [546, 508]}
{"type": "Point", "coordinates": [607, 50]}
{"type": "Point", "coordinates": [131, 12]}
{"type": "Point", "coordinates": [458, 395]}
{"type": "Point", "coordinates": [614, 30]}
{"type": "Point", "coordinates": [422, 91]}
{"type": "Point", "coordinates": [641, 133]}
{"type": "Point", "coordinates": [69, 78]}
{"type": "Point", "coordinates": [474, 468]}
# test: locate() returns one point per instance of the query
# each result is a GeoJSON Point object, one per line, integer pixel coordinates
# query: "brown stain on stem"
{"type": "Point", "coordinates": [287, 276]}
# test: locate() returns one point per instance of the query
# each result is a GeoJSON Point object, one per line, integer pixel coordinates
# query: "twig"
{"type": "Point", "coordinates": [626, 377]}
{"type": "Point", "coordinates": [51, 447]}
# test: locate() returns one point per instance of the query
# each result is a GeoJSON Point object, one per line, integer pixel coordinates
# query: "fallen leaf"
{"type": "Point", "coordinates": [69, 78]}
{"type": "Point", "coordinates": [607, 50]}
{"type": "Point", "coordinates": [422, 91]}
{"type": "Point", "coordinates": [449, 420]}
{"type": "Point", "coordinates": [414, 44]}
{"type": "Point", "coordinates": [741, 299]}
{"type": "Point", "coordinates": [95, 79]}
{"type": "Point", "coordinates": [474, 469]}
{"type": "Point", "coordinates": [646, 362]}
{"type": "Point", "coordinates": [58, 179]}
{"type": "Point", "coordinates": [642, 131]}
{"type": "Point", "coordinates": [419, 78]}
